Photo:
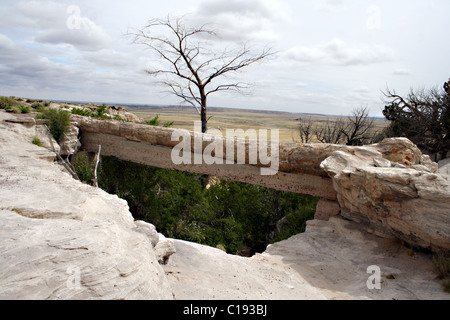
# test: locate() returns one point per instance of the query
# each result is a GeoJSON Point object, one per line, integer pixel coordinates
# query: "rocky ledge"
{"type": "Point", "coordinates": [61, 239]}
{"type": "Point", "coordinates": [394, 190]}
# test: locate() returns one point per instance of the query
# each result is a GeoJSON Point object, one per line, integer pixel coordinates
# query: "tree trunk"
{"type": "Point", "coordinates": [203, 111]}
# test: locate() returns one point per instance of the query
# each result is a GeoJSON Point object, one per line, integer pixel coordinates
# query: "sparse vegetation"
{"type": "Point", "coordinates": [36, 105]}
{"type": "Point", "coordinates": [84, 168]}
{"type": "Point", "coordinates": [82, 112]}
{"type": "Point", "coordinates": [355, 130]}
{"type": "Point", "coordinates": [100, 112]}
{"type": "Point", "coordinates": [36, 141]}
{"type": "Point", "coordinates": [222, 119]}
{"type": "Point", "coordinates": [155, 122]}
{"type": "Point", "coordinates": [232, 214]}
{"type": "Point", "coordinates": [119, 118]}
{"type": "Point", "coordinates": [58, 121]}
{"type": "Point", "coordinates": [9, 102]}
{"type": "Point", "coordinates": [24, 109]}
{"type": "Point", "coordinates": [442, 269]}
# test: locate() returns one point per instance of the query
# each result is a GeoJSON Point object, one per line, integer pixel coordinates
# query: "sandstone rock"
{"type": "Point", "coordinates": [400, 150]}
{"type": "Point", "coordinates": [328, 261]}
{"type": "Point", "coordinates": [47, 141]}
{"type": "Point", "coordinates": [326, 209]}
{"type": "Point", "coordinates": [444, 168]}
{"type": "Point", "coordinates": [164, 247]}
{"type": "Point", "coordinates": [61, 239]}
{"type": "Point", "coordinates": [121, 112]}
{"type": "Point", "coordinates": [70, 144]}
{"type": "Point", "coordinates": [22, 120]}
{"type": "Point", "coordinates": [409, 202]}
{"type": "Point", "coordinates": [149, 230]}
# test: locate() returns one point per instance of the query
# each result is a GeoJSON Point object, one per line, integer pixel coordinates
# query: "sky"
{"type": "Point", "coordinates": [331, 56]}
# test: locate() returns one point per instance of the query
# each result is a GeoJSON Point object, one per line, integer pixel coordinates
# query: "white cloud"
{"type": "Point", "coordinates": [243, 20]}
{"type": "Point", "coordinates": [41, 57]}
{"type": "Point", "coordinates": [6, 43]}
{"type": "Point", "coordinates": [338, 52]}
{"type": "Point", "coordinates": [40, 14]}
{"type": "Point", "coordinates": [47, 22]}
{"type": "Point", "coordinates": [402, 72]}
{"type": "Point", "coordinates": [331, 6]}
{"type": "Point", "coordinates": [89, 37]}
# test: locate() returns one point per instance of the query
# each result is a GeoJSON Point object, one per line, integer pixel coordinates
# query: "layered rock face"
{"type": "Point", "coordinates": [393, 190]}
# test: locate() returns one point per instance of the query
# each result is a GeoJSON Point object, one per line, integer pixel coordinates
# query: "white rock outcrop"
{"type": "Point", "coordinates": [329, 261]}
{"type": "Point", "coordinates": [394, 191]}
{"type": "Point", "coordinates": [61, 239]}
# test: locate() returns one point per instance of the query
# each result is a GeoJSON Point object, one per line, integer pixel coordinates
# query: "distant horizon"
{"type": "Point", "coordinates": [152, 105]}
{"type": "Point", "coordinates": [330, 56]}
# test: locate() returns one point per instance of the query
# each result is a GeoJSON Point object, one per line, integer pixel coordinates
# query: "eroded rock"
{"type": "Point", "coordinates": [163, 247]}
{"type": "Point", "coordinates": [61, 239]}
{"type": "Point", "coordinates": [410, 202]}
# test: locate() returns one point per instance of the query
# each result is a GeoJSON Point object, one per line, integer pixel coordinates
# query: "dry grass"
{"type": "Point", "coordinates": [223, 119]}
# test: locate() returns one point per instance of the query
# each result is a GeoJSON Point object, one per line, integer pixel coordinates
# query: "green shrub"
{"type": "Point", "coordinates": [81, 112]}
{"type": "Point", "coordinates": [155, 122]}
{"type": "Point", "coordinates": [35, 105]}
{"type": "Point", "coordinates": [36, 141]}
{"type": "Point", "coordinates": [24, 109]}
{"type": "Point", "coordinates": [84, 168]}
{"type": "Point", "coordinates": [58, 122]}
{"type": "Point", "coordinates": [168, 124]}
{"type": "Point", "coordinates": [100, 112]}
{"type": "Point", "coordinates": [119, 118]}
{"type": "Point", "coordinates": [8, 102]}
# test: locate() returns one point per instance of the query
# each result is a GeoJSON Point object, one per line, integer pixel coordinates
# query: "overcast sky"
{"type": "Point", "coordinates": [332, 55]}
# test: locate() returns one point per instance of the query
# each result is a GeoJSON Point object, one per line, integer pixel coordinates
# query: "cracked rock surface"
{"type": "Point", "coordinates": [61, 239]}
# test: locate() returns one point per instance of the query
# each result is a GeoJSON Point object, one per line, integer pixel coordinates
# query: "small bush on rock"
{"type": "Point", "coordinates": [36, 141]}
{"type": "Point", "coordinates": [8, 102]}
{"type": "Point", "coordinates": [58, 122]}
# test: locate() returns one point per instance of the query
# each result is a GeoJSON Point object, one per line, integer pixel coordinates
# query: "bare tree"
{"type": "Point", "coordinates": [305, 129]}
{"type": "Point", "coordinates": [331, 132]}
{"type": "Point", "coordinates": [192, 68]}
{"type": "Point", "coordinates": [359, 127]}
{"type": "Point", "coordinates": [423, 116]}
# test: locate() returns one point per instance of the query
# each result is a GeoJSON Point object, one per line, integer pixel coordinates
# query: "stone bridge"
{"type": "Point", "coordinates": [391, 188]}
{"type": "Point", "coordinates": [298, 171]}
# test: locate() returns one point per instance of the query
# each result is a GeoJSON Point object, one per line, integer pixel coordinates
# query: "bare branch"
{"type": "Point", "coordinates": [189, 63]}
